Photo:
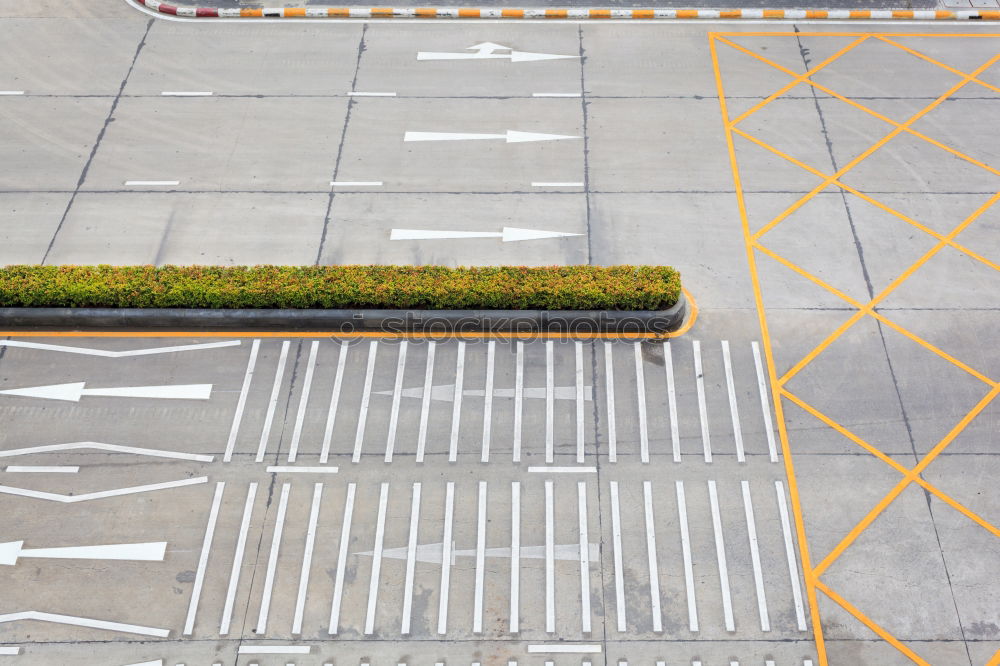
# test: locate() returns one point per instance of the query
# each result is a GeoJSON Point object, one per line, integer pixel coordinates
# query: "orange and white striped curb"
{"type": "Point", "coordinates": [583, 13]}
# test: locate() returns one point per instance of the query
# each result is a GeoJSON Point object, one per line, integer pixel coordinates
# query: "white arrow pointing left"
{"type": "Point", "coordinates": [509, 234]}
{"type": "Point", "coordinates": [145, 552]}
{"type": "Point", "coordinates": [76, 390]}
{"type": "Point", "coordinates": [510, 136]}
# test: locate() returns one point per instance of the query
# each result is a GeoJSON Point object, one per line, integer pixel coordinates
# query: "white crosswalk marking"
{"type": "Point", "coordinates": [456, 411]}
{"type": "Point", "coordinates": [640, 387]}
{"type": "Point", "coordinates": [366, 394]}
{"type": "Point", "coordinates": [425, 401]}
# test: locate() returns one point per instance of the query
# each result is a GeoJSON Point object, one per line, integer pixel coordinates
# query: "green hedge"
{"type": "Point", "coordinates": [391, 287]}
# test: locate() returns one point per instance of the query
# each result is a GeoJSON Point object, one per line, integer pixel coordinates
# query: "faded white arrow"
{"type": "Point", "coordinates": [510, 136]}
{"type": "Point", "coordinates": [145, 552]}
{"type": "Point", "coordinates": [509, 234]}
{"type": "Point", "coordinates": [432, 552]}
{"type": "Point", "coordinates": [446, 393]}
{"type": "Point", "coordinates": [488, 51]}
{"type": "Point", "coordinates": [75, 390]}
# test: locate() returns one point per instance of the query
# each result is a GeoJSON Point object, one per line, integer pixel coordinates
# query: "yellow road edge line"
{"type": "Point", "coordinates": [793, 491]}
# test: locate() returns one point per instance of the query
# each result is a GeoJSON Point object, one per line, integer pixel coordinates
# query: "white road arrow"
{"type": "Point", "coordinates": [146, 552]}
{"type": "Point", "coordinates": [510, 136]}
{"type": "Point", "coordinates": [75, 390]}
{"type": "Point", "coordinates": [446, 392]}
{"type": "Point", "coordinates": [509, 234]}
{"type": "Point", "coordinates": [431, 553]}
{"type": "Point", "coordinates": [488, 51]}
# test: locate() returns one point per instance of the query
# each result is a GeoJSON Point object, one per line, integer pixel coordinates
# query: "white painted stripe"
{"type": "Point", "coordinates": [609, 384]}
{"type": "Point", "coordinates": [108, 353]}
{"type": "Point", "coordinates": [272, 559]}
{"type": "Point", "coordinates": [301, 469]}
{"type": "Point", "coordinates": [383, 501]}
{"type": "Point", "coordinates": [477, 605]}
{"type": "Point", "coordinates": [446, 548]}
{"type": "Point", "coordinates": [338, 581]}
{"type": "Point", "coordinates": [764, 402]}
{"type": "Point", "coordinates": [456, 411]}
{"type": "Point", "coordinates": [331, 413]}
{"type": "Point", "coordinates": [273, 402]}
{"type": "Point", "coordinates": [549, 402]}
{"type": "Point", "coordinates": [397, 394]}
{"type": "Point", "coordinates": [41, 616]}
{"type": "Point", "coordinates": [242, 402]}
{"type": "Point", "coordinates": [355, 93]}
{"type": "Point", "coordinates": [425, 401]}
{"type": "Point", "coordinates": [640, 387]}
{"type": "Point", "coordinates": [793, 567]}
{"type": "Point", "coordinates": [515, 556]}
{"type": "Point", "coordinates": [550, 575]}
{"type": "Point", "coordinates": [300, 416]}
{"type": "Point", "coordinates": [11, 92]}
{"type": "Point", "coordinates": [563, 648]}
{"type": "Point", "coordinates": [581, 494]}
{"type": "Point", "coordinates": [488, 401]}
{"type": "Point", "coordinates": [411, 559]}
{"type": "Point", "coordinates": [150, 183]}
{"type": "Point", "coordinates": [538, 184]}
{"type": "Point", "coordinates": [356, 183]}
{"type": "Point", "coordinates": [185, 94]}
{"type": "Point", "coordinates": [702, 408]}
{"type": "Point", "coordinates": [682, 515]}
{"type": "Point", "coordinates": [651, 557]}
{"type": "Point", "coordinates": [758, 576]}
{"type": "Point", "coordinates": [518, 399]}
{"type": "Point", "coordinates": [43, 469]}
{"type": "Point", "coordinates": [8, 649]}
{"type": "Point", "coordinates": [359, 436]}
{"type": "Point", "coordinates": [117, 492]}
{"type": "Point", "coordinates": [307, 555]}
{"type": "Point", "coordinates": [206, 547]}
{"type": "Point", "coordinates": [668, 368]}
{"type": "Point", "coordinates": [98, 446]}
{"type": "Point", "coordinates": [720, 554]}
{"type": "Point", "coordinates": [274, 649]}
{"type": "Point", "coordinates": [580, 452]}
{"type": "Point", "coordinates": [234, 575]}
{"type": "Point", "coordinates": [734, 411]}
{"type": "Point", "coordinates": [563, 470]}
{"type": "Point", "coordinates": [616, 540]}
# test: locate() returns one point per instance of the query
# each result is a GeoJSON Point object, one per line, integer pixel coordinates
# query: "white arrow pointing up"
{"type": "Point", "coordinates": [75, 390]}
{"type": "Point", "coordinates": [510, 136]}
{"type": "Point", "coordinates": [509, 234]}
{"type": "Point", "coordinates": [146, 552]}
{"type": "Point", "coordinates": [488, 51]}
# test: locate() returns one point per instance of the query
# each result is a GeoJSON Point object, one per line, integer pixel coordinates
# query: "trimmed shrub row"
{"type": "Point", "coordinates": [343, 287]}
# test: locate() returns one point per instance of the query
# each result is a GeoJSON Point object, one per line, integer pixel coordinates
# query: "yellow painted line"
{"type": "Point", "coordinates": [885, 635]}
{"type": "Point", "coordinates": [793, 489]}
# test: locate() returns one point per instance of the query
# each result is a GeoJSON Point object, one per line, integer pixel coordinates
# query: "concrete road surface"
{"type": "Point", "coordinates": [808, 475]}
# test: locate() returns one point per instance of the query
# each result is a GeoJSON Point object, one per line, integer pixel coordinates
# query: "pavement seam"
{"type": "Point", "coordinates": [586, 143]}
{"type": "Point", "coordinates": [340, 148]}
{"type": "Point", "coordinates": [97, 143]}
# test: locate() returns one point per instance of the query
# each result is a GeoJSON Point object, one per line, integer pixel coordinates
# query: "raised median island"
{"type": "Point", "coordinates": [638, 299]}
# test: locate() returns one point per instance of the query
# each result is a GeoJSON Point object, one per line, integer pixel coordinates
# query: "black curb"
{"type": "Point", "coordinates": [351, 321]}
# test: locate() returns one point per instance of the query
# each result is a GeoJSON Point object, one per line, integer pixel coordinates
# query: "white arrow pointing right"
{"type": "Point", "coordinates": [508, 235]}
{"type": "Point", "coordinates": [510, 136]}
